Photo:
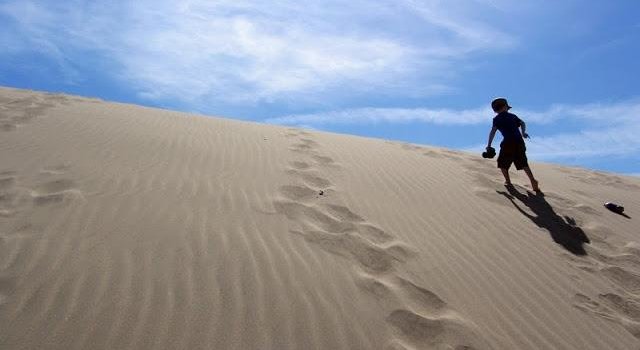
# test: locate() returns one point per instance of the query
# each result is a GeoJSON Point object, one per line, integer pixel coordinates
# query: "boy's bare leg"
{"type": "Point", "coordinates": [534, 182]}
{"type": "Point", "coordinates": [507, 179]}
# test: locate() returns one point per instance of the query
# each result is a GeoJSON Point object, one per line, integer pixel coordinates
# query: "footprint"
{"type": "Point", "coordinates": [349, 245]}
{"type": "Point", "coordinates": [433, 326]}
{"type": "Point", "coordinates": [312, 180]}
{"type": "Point", "coordinates": [395, 344]}
{"type": "Point", "coordinates": [298, 193]}
{"type": "Point", "coordinates": [581, 262]}
{"type": "Point", "coordinates": [628, 307]}
{"type": "Point", "coordinates": [433, 154]}
{"type": "Point", "coordinates": [589, 177]}
{"type": "Point", "coordinates": [54, 192]}
{"type": "Point", "coordinates": [323, 160]}
{"type": "Point", "coordinates": [23, 230]}
{"type": "Point", "coordinates": [627, 280]}
{"type": "Point", "coordinates": [423, 299]}
{"type": "Point", "coordinates": [301, 147]}
{"type": "Point", "coordinates": [300, 165]}
{"type": "Point", "coordinates": [22, 111]}
{"type": "Point", "coordinates": [313, 217]}
{"type": "Point", "coordinates": [55, 170]}
{"type": "Point", "coordinates": [8, 194]}
{"type": "Point", "coordinates": [374, 234]}
{"type": "Point", "coordinates": [309, 142]}
{"type": "Point", "coordinates": [416, 327]}
{"type": "Point", "coordinates": [55, 186]}
{"type": "Point", "coordinates": [316, 181]}
{"type": "Point", "coordinates": [411, 147]}
{"type": "Point", "coordinates": [613, 307]}
{"type": "Point", "coordinates": [6, 285]}
{"type": "Point", "coordinates": [343, 213]}
{"type": "Point", "coordinates": [46, 199]}
{"type": "Point", "coordinates": [442, 332]}
{"type": "Point", "coordinates": [624, 259]}
{"type": "Point", "coordinates": [7, 182]}
{"type": "Point", "coordinates": [55, 98]}
{"type": "Point", "coordinates": [7, 126]}
{"type": "Point", "coordinates": [568, 204]}
{"type": "Point", "coordinates": [454, 155]}
{"type": "Point", "coordinates": [6, 213]}
{"type": "Point", "coordinates": [376, 287]}
{"type": "Point", "coordinates": [399, 251]}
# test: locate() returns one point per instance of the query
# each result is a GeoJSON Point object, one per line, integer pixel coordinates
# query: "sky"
{"type": "Point", "coordinates": [422, 72]}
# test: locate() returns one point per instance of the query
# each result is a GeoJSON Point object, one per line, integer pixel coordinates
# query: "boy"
{"type": "Point", "coordinates": [512, 148]}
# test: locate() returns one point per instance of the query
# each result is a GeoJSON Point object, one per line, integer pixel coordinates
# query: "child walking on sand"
{"type": "Point", "coordinates": [512, 147]}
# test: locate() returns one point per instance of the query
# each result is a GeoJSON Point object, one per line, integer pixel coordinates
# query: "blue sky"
{"type": "Point", "coordinates": [416, 71]}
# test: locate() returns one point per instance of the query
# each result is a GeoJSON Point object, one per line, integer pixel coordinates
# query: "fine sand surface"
{"type": "Point", "coordinates": [123, 227]}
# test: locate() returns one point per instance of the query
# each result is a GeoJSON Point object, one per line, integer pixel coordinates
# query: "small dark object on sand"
{"type": "Point", "coordinates": [321, 192]}
{"type": "Point", "coordinates": [614, 207]}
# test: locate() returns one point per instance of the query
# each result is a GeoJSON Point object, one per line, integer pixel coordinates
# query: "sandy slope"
{"type": "Point", "coordinates": [124, 227]}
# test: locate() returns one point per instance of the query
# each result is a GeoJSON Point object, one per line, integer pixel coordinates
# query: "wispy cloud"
{"type": "Point", "coordinates": [614, 113]}
{"type": "Point", "coordinates": [31, 35]}
{"type": "Point", "coordinates": [455, 18]}
{"type": "Point", "coordinates": [604, 129]}
{"type": "Point", "coordinates": [243, 51]}
{"type": "Point", "coordinates": [387, 115]}
{"type": "Point", "coordinates": [619, 141]}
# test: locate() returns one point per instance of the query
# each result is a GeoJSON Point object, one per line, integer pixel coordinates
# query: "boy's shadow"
{"type": "Point", "coordinates": [564, 231]}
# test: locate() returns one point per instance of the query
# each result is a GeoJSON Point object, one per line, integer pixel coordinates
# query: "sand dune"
{"type": "Point", "coordinates": [124, 227]}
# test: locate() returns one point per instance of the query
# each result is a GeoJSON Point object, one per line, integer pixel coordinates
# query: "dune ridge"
{"type": "Point", "coordinates": [137, 228]}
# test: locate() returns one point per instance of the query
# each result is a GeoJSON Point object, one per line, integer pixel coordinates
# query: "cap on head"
{"type": "Point", "coordinates": [498, 103]}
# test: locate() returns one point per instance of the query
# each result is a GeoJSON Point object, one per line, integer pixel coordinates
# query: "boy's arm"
{"type": "Point", "coordinates": [492, 133]}
{"type": "Point", "coordinates": [523, 127]}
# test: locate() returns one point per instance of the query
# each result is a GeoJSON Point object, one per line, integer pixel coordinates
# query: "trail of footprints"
{"type": "Point", "coordinates": [594, 177]}
{"type": "Point", "coordinates": [15, 112]}
{"type": "Point", "coordinates": [619, 265]}
{"type": "Point", "coordinates": [18, 206]}
{"type": "Point", "coordinates": [51, 188]}
{"type": "Point", "coordinates": [419, 318]}
{"type": "Point", "coordinates": [17, 202]}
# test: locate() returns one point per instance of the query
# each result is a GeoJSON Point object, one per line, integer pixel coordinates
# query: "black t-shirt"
{"type": "Point", "coordinates": [508, 125]}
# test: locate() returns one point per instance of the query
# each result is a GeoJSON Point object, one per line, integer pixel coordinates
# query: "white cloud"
{"type": "Point", "coordinates": [456, 18]}
{"type": "Point", "coordinates": [603, 114]}
{"type": "Point", "coordinates": [605, 129]}
{"type": "Point", "coordinates": [32, 36]}
{"type": "Point", "coordinates": [616, 141]}
{"type": "Point", "coordinates": [388, 115]}
{"type": "Point", "coordinates": [242, 51]}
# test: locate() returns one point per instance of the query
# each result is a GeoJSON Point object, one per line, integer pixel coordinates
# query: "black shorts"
{"type": "Point", "coordinates": [512, 152]}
